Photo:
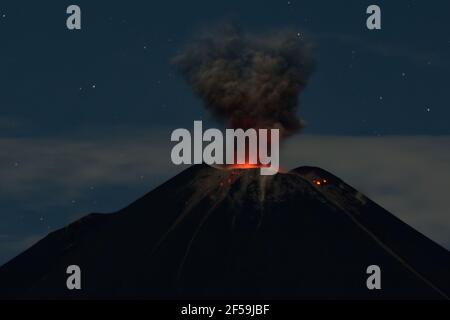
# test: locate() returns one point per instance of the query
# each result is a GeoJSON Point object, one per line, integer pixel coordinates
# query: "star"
{"type": "Point", "coordinates": [93, 86]}
{"type": "Point", "coordinates": [381, 98]}
{"type": "Point", "coordinates": [3, 15]}
{"type": "Point", "coordinates": [428, 109]}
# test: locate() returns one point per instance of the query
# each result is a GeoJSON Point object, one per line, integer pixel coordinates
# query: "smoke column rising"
{"type": "Point", "coordinates": [248, 80]}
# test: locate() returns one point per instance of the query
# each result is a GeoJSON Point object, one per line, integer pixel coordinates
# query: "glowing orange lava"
{"type": "Point", "coordinates": [319, 182]}
{"type": "Point", "coordinates": [247, 166]}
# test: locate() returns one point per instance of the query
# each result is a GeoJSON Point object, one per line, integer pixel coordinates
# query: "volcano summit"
{"type": "Point", "coordinates": [229, 233]}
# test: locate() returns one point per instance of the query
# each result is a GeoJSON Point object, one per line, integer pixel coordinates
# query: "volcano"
{"type": "Point", "coordinates": [231, 234]}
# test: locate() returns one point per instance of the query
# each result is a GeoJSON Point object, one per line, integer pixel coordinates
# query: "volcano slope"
{"type": "Point", "coordinates": [230, 234]}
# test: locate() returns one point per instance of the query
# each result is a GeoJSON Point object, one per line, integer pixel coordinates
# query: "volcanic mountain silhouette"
{"type": "Point", "coordinates": [228, 234]}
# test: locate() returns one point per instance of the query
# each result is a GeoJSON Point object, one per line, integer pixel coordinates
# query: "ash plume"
{"type": "Point", "coordinates": [249, 80]}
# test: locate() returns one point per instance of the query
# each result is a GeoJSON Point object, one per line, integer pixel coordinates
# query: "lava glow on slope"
{"type": "Point", "coordinates": [319, 182]}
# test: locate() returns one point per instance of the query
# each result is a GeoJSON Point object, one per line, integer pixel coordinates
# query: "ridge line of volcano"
{"type": "Point", "coordinates": [389, 250]}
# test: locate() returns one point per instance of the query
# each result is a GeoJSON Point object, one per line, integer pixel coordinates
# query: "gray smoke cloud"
{"type": "Point", "coordinates": [249, 80]}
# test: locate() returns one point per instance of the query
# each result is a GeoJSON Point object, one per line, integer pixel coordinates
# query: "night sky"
{"type": "Point", "coordinates": [85, 114]}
